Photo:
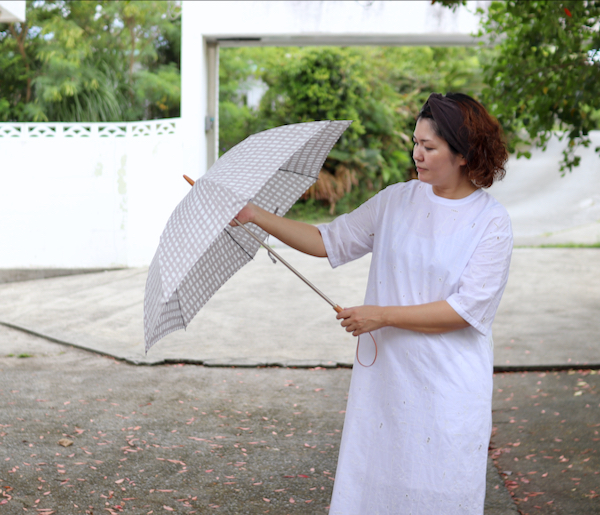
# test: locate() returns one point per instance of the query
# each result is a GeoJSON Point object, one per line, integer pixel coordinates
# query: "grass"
{"type": "Point", "coordinates": [318, 212]}
{"type": "Point", "coordinates": [310, 212]}
{"type": "Point", "coordinates": [571, 246]}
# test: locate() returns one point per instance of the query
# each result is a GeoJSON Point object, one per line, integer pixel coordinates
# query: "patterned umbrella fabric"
{"type": "Point", "coordinates": [198, 250]}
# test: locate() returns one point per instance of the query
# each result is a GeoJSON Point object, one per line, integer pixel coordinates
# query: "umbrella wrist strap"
{"type": "Point", "coordinates": [358, 347]}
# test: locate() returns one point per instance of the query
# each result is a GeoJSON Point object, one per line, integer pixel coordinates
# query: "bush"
{"type": "Point", "coordinates": [380, 88]}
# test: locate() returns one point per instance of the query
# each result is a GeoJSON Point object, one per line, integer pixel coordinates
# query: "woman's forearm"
{"type": "Point", "coordinates": [299, 235]}
{"type": "Point", "coordinates": [433, 318]}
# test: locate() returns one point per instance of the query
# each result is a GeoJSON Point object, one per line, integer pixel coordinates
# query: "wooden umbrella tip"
{"type": "Point", "coordinates": [191, 181]}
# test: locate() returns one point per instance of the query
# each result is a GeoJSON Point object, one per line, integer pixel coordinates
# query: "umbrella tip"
{"type": "Point", "coordinates": [191, 181]}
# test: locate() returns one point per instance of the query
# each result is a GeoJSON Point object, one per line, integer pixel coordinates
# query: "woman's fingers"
{"type": "Point", "coordinates": [344, 313]}
{"type": "Point", "coordinates": [350, 320]}
{"type": "Point", "coordinates": [244, 216]}
{"type": "Point", "coordinates": [360, 319]}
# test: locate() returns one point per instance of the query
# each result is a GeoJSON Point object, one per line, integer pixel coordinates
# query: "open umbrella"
{"type": "Point", "coordinates": [198, 250]}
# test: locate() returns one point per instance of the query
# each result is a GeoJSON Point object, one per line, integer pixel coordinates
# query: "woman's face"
{"type": "Point", "coordinates": [436, 163]}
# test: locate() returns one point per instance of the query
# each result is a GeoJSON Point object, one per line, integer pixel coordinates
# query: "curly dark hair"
{"type": "Point", "coordinates": [487, 147]}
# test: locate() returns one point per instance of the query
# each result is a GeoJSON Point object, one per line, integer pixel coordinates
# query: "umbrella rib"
{"type": "Point", "coordinates": [180, 310]}
{"type": "Point", "coordinates": [239, 245]}
{"type": "Point", "coordinates": [298, 173]}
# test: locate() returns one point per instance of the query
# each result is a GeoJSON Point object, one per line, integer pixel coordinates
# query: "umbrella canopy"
{"type": "Point", "coordinates": [198, 250]}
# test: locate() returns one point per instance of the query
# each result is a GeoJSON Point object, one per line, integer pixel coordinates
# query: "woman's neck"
{"type": "Point", "coordinates": [455, 192]}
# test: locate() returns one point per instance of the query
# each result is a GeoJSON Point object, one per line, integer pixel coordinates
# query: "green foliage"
{"type": "Point", "coordinates": [548, 69]}
{"type": "Point", "coordinates": [571, 246]}
{"type": "Point", "coordinates": [239, 68]}
{"type": "Point", "coordinates": [545, 72]}
{"type": "Point", "coordinates": [452, 4]}
{"type": "Point", "coordinates": [318, 84]}
{"type": "Point", "coordinates": [311, 211]}
{"type": "Point", "coordinates": [380, 88]}
{"type": "Point", "coordinates": [91, 61]}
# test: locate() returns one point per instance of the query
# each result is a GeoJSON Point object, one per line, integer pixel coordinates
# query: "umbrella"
{"type": "Point", "coordinates": [198, 250]}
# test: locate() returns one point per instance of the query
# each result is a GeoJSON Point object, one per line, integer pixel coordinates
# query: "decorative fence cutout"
{"type": "Point", "coordinates": [89, 129]}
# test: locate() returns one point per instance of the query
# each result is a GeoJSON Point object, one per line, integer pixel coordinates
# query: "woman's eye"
{"type": "Point", "coordinates": [416, 143]}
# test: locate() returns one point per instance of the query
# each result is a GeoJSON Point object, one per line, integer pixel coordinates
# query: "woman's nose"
{"type": "Point", "coordinates": [417, 154]}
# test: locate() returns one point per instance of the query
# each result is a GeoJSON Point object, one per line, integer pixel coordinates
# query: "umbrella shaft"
{"type": "Point", "coordinates": [283, 261]}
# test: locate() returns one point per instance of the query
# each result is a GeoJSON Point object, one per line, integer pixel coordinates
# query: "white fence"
{"type": "Point", "coordinates": [87, 194]}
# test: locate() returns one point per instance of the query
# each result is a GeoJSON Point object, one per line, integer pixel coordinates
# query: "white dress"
{"type": "Point", "coordinates": [418, 421]}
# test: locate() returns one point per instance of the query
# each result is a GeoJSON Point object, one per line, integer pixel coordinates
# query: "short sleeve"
{"type": "Point", "coordinates": [351, 236]}
{"type": "Point", "coordinates": [482, 283]}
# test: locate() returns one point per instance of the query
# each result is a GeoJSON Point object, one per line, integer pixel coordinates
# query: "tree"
{"type": "Point", "coordinates": [91, 61]}
{"type": "Point", "coordinates": [546, 70]}
{"type": "Point", "coordinates": [380, 88]}
{"type": "Point", "coordinates": [239, 69]}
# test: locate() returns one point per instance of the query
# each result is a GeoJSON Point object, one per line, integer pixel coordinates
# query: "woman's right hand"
{"type": "Point", "coordinates": [246, 215]}
{"type": "Point", "coordinates": [299, 235]}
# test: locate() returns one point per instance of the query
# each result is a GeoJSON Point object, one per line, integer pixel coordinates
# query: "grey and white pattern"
{"type": "Point", "coordinates": [198, 250]}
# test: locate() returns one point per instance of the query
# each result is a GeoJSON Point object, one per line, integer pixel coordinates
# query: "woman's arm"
{"type": "Point", "coordinates": [434, 318]}
{"type": "Point", "coordinates": [299, 235]}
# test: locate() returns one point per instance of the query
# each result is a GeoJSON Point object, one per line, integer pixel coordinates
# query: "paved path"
{"type": "Point", "coordinates": [265, 316]}
{"type": "Point", "coordinates": [194, 439]}
{"type": "Point", "coordinates": [547, 208]}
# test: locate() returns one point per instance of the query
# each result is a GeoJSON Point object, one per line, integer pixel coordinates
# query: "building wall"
{"type": "Point", "coordinates": [12, 11]}
{"type": "Point", "coordinates": [356, 22]}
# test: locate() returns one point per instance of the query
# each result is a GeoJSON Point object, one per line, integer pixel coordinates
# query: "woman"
{"type": "Point", "coordinates": [418, 421]}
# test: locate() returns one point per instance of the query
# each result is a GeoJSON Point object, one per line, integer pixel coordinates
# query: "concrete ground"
{"type": "Point", "coordinates": [545, 440]}
{"type": "Point", "coordinates": [253, 439]}
{"type": "Point", "coordinates": [548, 207]}
{"type": "Point", "coordinates": [551, 300]}
{"type": "Point", "coordinates": [169, 438]}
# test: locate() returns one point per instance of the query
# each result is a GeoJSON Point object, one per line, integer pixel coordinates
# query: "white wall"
{"type": "Point", "coordinates": [13, 11]}
{"type": "Point", "coordinates": [87, 200]}
{"type": "Point", "coordinates": [320, 22]}
{"type": "Point", "coordinates": [194, 89]}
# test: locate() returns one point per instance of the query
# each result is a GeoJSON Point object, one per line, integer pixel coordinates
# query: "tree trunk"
{"type": "Point", "coordinates": [20, 39]}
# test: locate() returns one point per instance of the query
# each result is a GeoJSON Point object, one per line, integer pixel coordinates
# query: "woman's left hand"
{"type": "Point", "coordinates": [362, 319]}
